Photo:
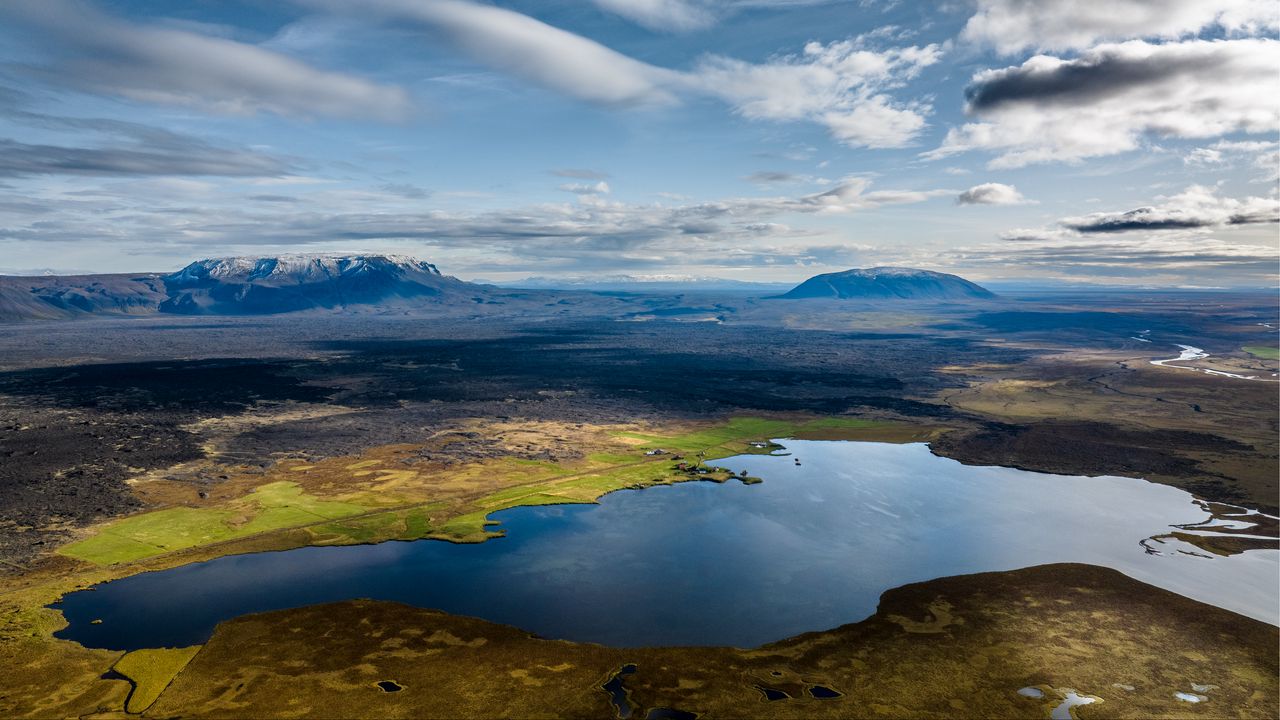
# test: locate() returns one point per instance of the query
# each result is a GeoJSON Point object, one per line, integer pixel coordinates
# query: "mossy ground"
{"type": "Point", "coordinates": [1211, 435]}
{"type": "Point", "coordinates": [151, 671]}
{"type": "Point", "coordinates": [948, 648]}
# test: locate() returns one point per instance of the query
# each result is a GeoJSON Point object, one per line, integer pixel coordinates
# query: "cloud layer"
{"type": "Point", "coordinates": [1196, 207]}
{"type": "Point", "coordinates": [123, 149]}
{"type": "Point", "coordinates": [1140, 258]}
{"type": "Point", "coordinates": [593, 231]}
{"type": "Point", "coordinates": [1113, 96]}
{"type": "Point", "coordinates": [186, 157]}
{"type": "Point", "coordinates": [1173, 242]}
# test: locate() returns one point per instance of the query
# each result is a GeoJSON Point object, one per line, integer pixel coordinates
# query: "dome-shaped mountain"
{"type": "Point", "coordinates": [887, 283]}
{"type": "Point", "coordinates": [285, 283]}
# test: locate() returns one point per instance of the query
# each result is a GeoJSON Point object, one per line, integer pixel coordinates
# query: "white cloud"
{"type": "Point", "coordinates": [1262, 155]}
{"type": "Point", "coordinates": [599, 188]}
{"type": "Point", "coordinates": [1203, 156]}
{"type": "Point", "coordinates": [1011, 26]}
{"type": "Point", "coordinates": [686, 15]}
{"type": "Point", "coordinates": [663, 14]}
{"type": "Point", "coordinates": [840, 85]}
{"type": "Point", "coordinates": [529, 48]}
{"type": "Point", "coordinates": [1112, 96]}
{"type": "Point", "coordinates": [101, 54]}
{"type": "Point", "coordinates": [991, 194]}
{"type": "Point", "coordinates": [1246, 146]}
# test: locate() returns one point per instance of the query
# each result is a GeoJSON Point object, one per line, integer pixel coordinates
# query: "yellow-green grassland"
{"type": "Point", "coordinates": [1265, 352]}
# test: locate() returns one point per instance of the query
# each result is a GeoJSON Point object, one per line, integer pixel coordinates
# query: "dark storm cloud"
{"type": "Point", "coordinates": [1105, 74]}
{"type": "Point", "coordinates": [1146, 218]}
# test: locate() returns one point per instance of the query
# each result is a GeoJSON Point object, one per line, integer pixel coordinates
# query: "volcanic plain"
{"type": "Point", "coordinates": [137, 444]}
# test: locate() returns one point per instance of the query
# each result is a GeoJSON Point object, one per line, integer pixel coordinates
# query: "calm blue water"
{"type": "Point", "coordinates": [813, 547]}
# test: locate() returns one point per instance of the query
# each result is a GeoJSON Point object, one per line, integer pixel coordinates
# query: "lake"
{"type": "Point", "coordinates": [810, 548]}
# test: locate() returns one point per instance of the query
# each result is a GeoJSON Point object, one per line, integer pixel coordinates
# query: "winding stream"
{"type": "Point", "coordinates": [1190, 352]}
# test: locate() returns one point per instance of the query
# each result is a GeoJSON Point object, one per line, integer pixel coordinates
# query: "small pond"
{"type": "Point", "coordinates": [812, 547]}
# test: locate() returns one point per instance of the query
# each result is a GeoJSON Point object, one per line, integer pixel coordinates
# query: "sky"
{"type": "Point", "coordinates": [1110, 142]}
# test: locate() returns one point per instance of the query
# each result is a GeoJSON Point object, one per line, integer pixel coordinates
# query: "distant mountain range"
{"type": "Point", "coordinates": [401, 284]}
{"type": "Point", "coordinates": [644, 283]}
{"type": "Point", "coordinates": [888, 283]}
{"type": "Point", "coordinates": [241, 286]}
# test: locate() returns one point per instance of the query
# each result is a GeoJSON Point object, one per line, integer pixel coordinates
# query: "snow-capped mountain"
{"type": "Point", "coordinates": [881, 283]}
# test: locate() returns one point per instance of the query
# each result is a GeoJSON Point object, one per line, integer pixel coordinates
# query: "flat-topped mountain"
{"type": "Point", "coordinates": [298, 268]}
{"type": "Point", "coordinates": [286, 283]}
{"type": "Point", "coordinates": [887, 283]}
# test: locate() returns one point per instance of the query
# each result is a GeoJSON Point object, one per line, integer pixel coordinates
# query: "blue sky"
{"type": "Point", "coordinates": [1117, 142]}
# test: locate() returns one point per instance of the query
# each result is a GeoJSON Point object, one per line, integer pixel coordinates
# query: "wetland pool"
{"type": "Point", "coordinates": [699, 563]}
